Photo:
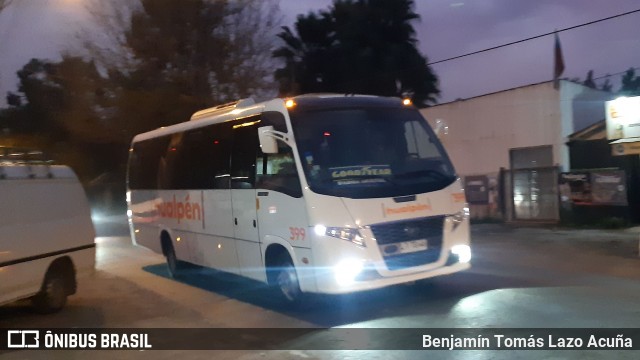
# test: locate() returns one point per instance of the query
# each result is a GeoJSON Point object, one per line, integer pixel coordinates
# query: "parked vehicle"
{"type": "Point", "coordinates": [46, 234]}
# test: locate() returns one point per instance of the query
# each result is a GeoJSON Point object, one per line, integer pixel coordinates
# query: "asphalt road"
{"type": "Point", "coordinates": [525, 278]}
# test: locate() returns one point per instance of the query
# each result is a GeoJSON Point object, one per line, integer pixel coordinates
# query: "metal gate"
{"type": "Point", "coordinates": [535, 194]}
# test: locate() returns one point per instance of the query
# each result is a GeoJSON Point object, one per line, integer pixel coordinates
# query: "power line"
{"type": "Point", "coordinates": [535, 37]}
{"type": "Point", "coordinates": [614, 74]}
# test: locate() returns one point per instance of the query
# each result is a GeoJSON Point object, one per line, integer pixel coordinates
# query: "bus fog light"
{"type": "Point", "coordinates": [347, 270]}
{"type": "Point", "coordinates": [463, 252]}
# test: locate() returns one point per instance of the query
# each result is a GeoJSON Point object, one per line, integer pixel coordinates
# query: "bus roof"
{"type": "Point", "coordinates": [214, 115]}
{"type": "Point", "coordinates": [247, 107]}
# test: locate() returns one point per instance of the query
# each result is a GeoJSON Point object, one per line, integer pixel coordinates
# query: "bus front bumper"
{"type": "Point", "coordinates": [350, 277]}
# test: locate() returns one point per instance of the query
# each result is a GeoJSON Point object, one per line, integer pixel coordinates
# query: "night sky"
{"type": "Point", "coordinates": [42, 28]}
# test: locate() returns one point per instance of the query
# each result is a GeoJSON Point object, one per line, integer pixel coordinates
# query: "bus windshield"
{"type": "Point", "coordinates": [370, 152]}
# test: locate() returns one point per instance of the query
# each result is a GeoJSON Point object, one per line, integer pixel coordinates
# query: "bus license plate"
{"type": "Point", "coordinates": [406, 247]}
{"type": "Point", "coordinates": [413, 246]}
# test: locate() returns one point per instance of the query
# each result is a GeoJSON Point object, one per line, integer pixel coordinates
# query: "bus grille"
{"type": "Point", "coordinates": [426, 228]}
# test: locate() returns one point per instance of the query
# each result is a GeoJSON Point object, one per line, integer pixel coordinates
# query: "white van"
{"type": "Point", "coordinates": [46, 234]}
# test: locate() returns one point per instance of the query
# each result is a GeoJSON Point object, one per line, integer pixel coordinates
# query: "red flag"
{"type": "Point", "coordinates": [558, 68]}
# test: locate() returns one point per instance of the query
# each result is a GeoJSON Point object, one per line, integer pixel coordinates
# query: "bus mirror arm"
{"type": "Point", "coordinates": [441, 128]}
{"type": "Point", "coordinates": [268, 139]}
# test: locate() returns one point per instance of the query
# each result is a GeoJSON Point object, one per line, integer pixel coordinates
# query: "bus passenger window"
{"type": "Point", "coordinates": [243, 155]}
{"type": "Point", "coordinates": [278, 172]}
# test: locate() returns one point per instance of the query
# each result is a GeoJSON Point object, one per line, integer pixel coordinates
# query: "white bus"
{"type": "Point", "coordinates": [313, 194]}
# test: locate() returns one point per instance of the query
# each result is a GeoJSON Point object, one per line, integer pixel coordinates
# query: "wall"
{"type": "Point", "coordinates": [581, 107]}
{"type": "Point", "coordinates": [483, 129]}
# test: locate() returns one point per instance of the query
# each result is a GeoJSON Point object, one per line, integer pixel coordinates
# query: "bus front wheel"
{"type": "Point", "coordinates": [286, 281]}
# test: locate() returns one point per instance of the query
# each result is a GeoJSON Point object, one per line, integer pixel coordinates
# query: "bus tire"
{"type": "Point", "coordinates": [286, 281]}
{"type": "Point", "coordinates": [55, 288]}
{"type": "Point", "coordinates": [174, 266]}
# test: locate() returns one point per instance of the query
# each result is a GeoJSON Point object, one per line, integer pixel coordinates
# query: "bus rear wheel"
{"type": "Point", "coordinates": [174, 266]}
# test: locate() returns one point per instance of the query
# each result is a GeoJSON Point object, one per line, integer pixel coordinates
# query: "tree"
{"type": "Point", "coordinates": [174, 58]}
{"type": "Point", "coordinates": [588, 82]}
{"type": "Point", "coordinates": [161, 60]}
{"type": "Point", "coordinates": [630, 83]}
{"type": "Point", "coordinates": [357, 46]}
{"type": "Point", "coordinates": [63, 108]}
{"type": "Point", "coordinates": [4, 4]}
{"type": "Point", "coordinates": [36, 100]}
{"type": "Point", "coordinates": [64, 97]}
{"type": "Point", "coordinates": [606, 85]}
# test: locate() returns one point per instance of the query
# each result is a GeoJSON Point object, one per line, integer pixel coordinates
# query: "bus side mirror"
{"type": "Point", "coordinates": [268, 142]}
{"type": "Point", "coordinates": [442, 128]}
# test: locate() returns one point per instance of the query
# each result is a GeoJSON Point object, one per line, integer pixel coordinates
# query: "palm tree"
{"type": "Point", "coordinates": [357, 46]}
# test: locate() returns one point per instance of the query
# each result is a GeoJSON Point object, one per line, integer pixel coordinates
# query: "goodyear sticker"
{"type": "Point", "coordinates": [360, 170]}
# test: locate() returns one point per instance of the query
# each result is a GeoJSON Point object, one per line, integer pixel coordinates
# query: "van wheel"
{"type": "Point", "coordinates": [53, 295]}
{"type": "Point", "coordinates": [286, 281]}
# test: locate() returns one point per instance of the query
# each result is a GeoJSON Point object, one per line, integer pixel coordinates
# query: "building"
{"type": "Point", "coordinates": [604, 177]}
{"type": "Point", "coordinates": [510, 146]}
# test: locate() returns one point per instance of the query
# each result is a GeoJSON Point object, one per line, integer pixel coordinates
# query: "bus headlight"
{"type": "Point", "coordinates": [347, 270]}
{"type": "Point", "coordinates": [463, 252]}
{"type": "Point", "coordinates": [348, 234]}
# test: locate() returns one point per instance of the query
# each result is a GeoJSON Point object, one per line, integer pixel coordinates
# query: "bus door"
{"type": "Point", "coordinates": [243, 197]}
{"type": "Point", "coordinates": [282, 211]}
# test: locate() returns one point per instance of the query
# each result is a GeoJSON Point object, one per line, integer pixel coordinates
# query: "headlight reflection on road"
{"type": "Point", "coordinates": [470, 303]}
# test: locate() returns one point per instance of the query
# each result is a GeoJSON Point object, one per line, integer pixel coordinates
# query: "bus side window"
{"type": "Point", "coordinates": [220, 155]}
{"type": "Point", "coordinates": [278, 172]}
{"type": "Point", "coordinates": [243, 155]}
{"type": "Point", "coordinates": [207, 157]}
{"type": "Point", "coordinates": [170, 166]}
{"type": "Point", "coordinates": [145, 163]}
